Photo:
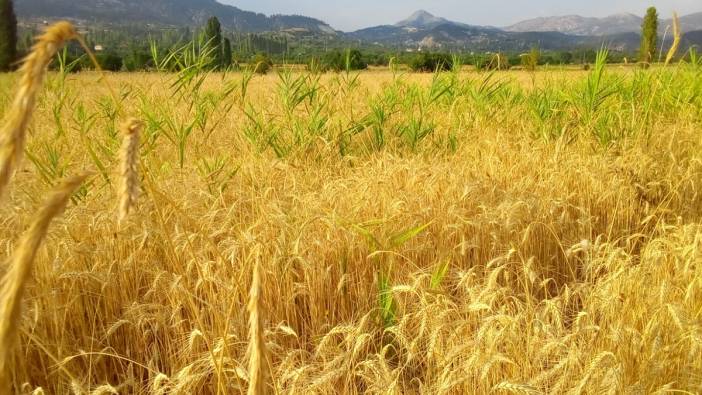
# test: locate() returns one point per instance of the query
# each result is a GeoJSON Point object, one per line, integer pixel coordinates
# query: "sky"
{"type": "Point", "coordinates": [348, 15]}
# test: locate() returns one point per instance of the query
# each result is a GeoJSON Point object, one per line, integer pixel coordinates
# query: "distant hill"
{"type": "Point", "coordinates": [614, 24]}
{"type": "Point", "coordinates": [578, 25]}
{"type": "Point", "coordinates": [167, 12]}
{"type": "Point", "coordinates": [422, 20]}
{"type": "Point", "coordinates": [691, 22]}
{"type": "Point", "coordinates": [423, 30]}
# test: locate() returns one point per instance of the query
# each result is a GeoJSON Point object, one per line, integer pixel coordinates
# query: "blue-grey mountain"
{"type": "Point", "coordinates": [166, 12]}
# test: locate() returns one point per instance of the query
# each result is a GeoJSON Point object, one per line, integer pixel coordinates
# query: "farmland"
{"type": "Point", "coordinates": [364, 232]}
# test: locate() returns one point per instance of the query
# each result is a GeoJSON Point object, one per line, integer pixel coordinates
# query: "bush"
{"type": "Point", "coordinates": [108, 61]}
{"type": "Point", "coordinates": [531, 60]}
{"type": "Point", "coordinates": [428, 62]}
{"type": "Point", "coordinates": [497, 62]}
{"type": "Point", "coordinates": [262, 63]}
{"type": "Point", "coordinates": [137, 61]}
{"type": "Point", "coordinates": [339, 61]}
{"type": "Point", "coordinates": [378, 60]}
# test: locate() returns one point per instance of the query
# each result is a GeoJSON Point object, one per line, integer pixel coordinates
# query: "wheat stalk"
{"type": "Point", "coordinates": [20, 270]}
{"type": "Point", "coordinates": [129, 175]}
{"type": "Point", "coordinates": [677, 37]}
{"type": "Point", "coordinates": [14, 129]}
{"type": "Point", "coordinates": [258, 372]}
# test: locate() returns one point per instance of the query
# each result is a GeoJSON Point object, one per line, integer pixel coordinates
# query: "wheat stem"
{"type": "Point", "coordinates": [258, 369]}
{"type": "Point", "coordinates": [677, 37]}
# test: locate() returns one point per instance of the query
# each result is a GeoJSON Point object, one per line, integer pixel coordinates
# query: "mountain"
{"type": "Point", "coordinates": [689, 23]}
{"type": "Point", "coordinates": [423, 30]}
{"type": "Point", "coordinates": [613, 24]}
{"type": "Point", "coordinates": [165, 12]}
{"type": "Point", "coordinates": [422, 20]}
{"type": "Point", "coordinates": [582, 26]}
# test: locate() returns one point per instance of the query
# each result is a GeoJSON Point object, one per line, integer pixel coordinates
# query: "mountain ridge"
{"type": "Point", "coordinates": [424, 30]}
{"type": "Point", "coordinates": [612, 24]}
{"type": "Point", "coordinates": [168, 12]}
{"type": "Point", "coordinates": [422, 19]}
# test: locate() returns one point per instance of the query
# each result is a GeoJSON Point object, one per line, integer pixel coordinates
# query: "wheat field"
{"type": "Point", "coordinates": [376, 232]}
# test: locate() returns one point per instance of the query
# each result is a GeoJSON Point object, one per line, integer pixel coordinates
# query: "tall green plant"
{"type": "Point", "coordinates": [649, 35]}
{"type": "Point", "coordinates": [531, 60]}
{"type": "Point", "coordinates": [213, 38]}
{"type": "Point", "coordinates": [226, 53]}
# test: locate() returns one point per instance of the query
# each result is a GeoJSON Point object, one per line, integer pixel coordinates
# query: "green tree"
{"type": "Point", "coordinates": [531, 60]}
{"type": "Point", "coordinates": [8, 35]}
{"type": "Point", "coordinates": [337, 61]}
{"type": "Point", "coordinates": [566, 57]}
{"type": "Point", "coordinates": [354, 60]}
{"type": "Point", "coordinates": [431, 62]}
{"type": "Point", "coordinates": [226, 53]}
{"type": "Point", "coordinates": [213, 38]}
{"type": "Point", "coordinates": [649, 35]}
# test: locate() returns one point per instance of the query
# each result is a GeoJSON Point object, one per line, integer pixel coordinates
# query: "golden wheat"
{"type": "Point", "coordinates": [559, 256]}
{"type": "Point", "coordinates": [14, 127]}
{"type": "Point", "coordinates": [258, 360]}
{"type": "Point", "coordinates": [20, 271]}
{"type": "Point", "coordinates": [129, 175]}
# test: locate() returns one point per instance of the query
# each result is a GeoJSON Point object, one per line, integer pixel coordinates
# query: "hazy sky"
{"type": "Point", "coordinates": [355, 14]}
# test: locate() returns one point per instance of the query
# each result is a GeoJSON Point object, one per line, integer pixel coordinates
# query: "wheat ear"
{"type": "Point", "coordinates": [258, 368]}
{"type": "Point", "coordinates": [677, 37]}
{"type": "Point", "coordinates": [129, 175]}
{"type": "Point", "coordinates": [20, 270]}
{"type": "Point", "coordinates": [14, 128]}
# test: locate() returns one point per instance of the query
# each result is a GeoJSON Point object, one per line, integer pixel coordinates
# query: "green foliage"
{"type": "Point", "coordinates": [351, 59]}
{"type": "Point", "coordinates": [531, 60]}
{"type": "Point", "coordinates": [695, 59]}
{"type": "Point", "coordinates": [262, 63]}
{"type": "Point", "coordinates": [649, 35]}
{"type": "Point", "coordinates": [137, 60]}
{"type": "Point", "coordinates": [332, 61]}
{"type": "Point", "coordinates": [226, 53]}
{"type": "Point", "coordinates": [8, 35]}
{"type": "Point", "coordinates": [565, 57]}
{"type": "Point", "coordinates": [386, 303]}
{"type": "Point", "coordinates": [213, 41]}
{"type": "Point", "coordinates": [108, 61]}
{"type": "Point", "coordinates": [439, 273]}
{"type": "Point", "coordinates": [431, 62]}
{"type": "Point", "coordinates": [498, 61]}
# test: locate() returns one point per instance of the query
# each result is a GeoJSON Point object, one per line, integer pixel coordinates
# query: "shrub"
{"type": "Point", "coordinates": [430, 62]}
{"type": "Point", "coordinates": [109, 61]}
{"type": "Point", "coordinates": [339, 61]}
{"type": "Point", "coordinates": [137, 60]}
{"type": "Point", "coordinates": [262, 63]}
{"type": "Point", "coordinates": [531, 60]}
{"type": "Point", "coordinates": [498, 61]}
